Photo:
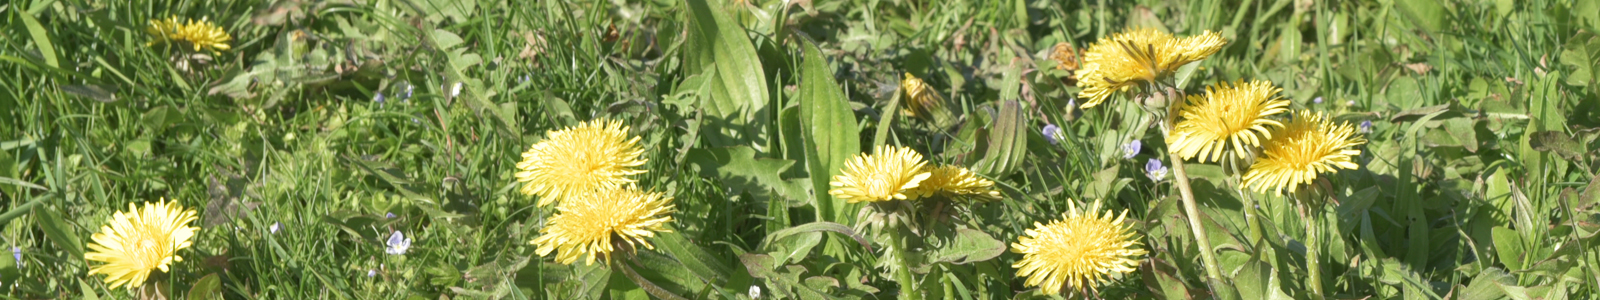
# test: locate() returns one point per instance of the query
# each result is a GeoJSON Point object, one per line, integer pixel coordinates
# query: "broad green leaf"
{"type": "Point", "coordinates": [58, 230]}
{"type": "Point", "coordinates": [1508, 244]}
{"type": "Point", "coordinates": [207, 288]}
{"type": "Point", "coordinates": [969, 246]}
{"type": "Point", "coordinates": [820, 226]}
{"type": "Point", "coordinates": [829, 126]}
{"type": "Point", "coordinates": [1559, 143]}
{"type": "Point", "coordinates": [1258, 280]}
{"type": "Point", "coordinates": [1486, 286]}
{"type": "Point", "coordinates": [1008, 141]}
{"type": "Point", "coordinates": [738, 90]}
{"type": "Point", "coordinates": [41, 38]}
{"type": "Point", "coordinates": [87, 292]}
{"type": "Point", "coordinates": [1431, 15]}
{"type": "Point", "coordinates": [697, 260]}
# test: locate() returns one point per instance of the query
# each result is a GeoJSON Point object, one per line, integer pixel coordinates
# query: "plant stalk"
{"type": "Point", "coordinates": [902, 274]}
{"type": "Point", "coordinates": [1249, 208]}
{"type": "Point", "coordinates": [1313, 252]}
{"type": "Point", "coordinates": [1180, 178]}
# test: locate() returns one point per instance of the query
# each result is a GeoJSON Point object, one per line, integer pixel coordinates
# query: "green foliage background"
{"type": "Point", "coordinates": [1477, 183]}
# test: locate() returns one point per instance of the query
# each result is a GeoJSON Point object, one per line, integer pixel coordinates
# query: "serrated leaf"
{"type": "Point", "coordinates": [969, 246]}
{"type": "Point", "coordinates": [739, 169]}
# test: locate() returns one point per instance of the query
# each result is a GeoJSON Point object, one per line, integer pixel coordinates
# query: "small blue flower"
{"type": "Point", "coordinates": [1318, 100]}
{"type": "Point", "coordinates": [1366, 126]}
{"type": "Point", "coordinates": [371, 273]}
{"type": "Point", "coordinates": [378, 98]}
{"type": "Point", "coordinates": [409, 88]}
{"type": "Point", "coordinates": [1155, 170]}
{"type": "Point", "coordinates": [1131, 148]}
{"type": "Point", "coordinates": [1051, 132]}
{"type": "Point", "coordinates": [389, 215]}
{"type": "Point", "coordinates": [16, 252]}
{"type": "Point", "coordinates": [398, 244]}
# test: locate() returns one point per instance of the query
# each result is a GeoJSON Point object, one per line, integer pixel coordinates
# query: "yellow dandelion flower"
{"type": "Point", "coordinates": [201, 34]}
{"type": "Point", "coordinates": [887, 174]}
{"type": "Point", "coordinates": [923, 102]}
{"type": "Point", "coordinates": [1081, 250]}
{"type": "Point", "coordinates": [140, 240]}
{"type": "Point", "coordinates": [954, 182]}
{"type": "Point", "coordinates": [1227, 115]}
{"type": "Point", "coordinates": [1120, 61]}
{"type": "Point", "coordinates": [586, 224]}
{"type": "Point", "coordinates": [1309, 144]}
{"type": "Point", "coordinates": [593, 156]}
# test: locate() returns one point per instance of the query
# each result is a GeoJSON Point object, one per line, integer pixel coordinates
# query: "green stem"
{"type": "Point", "coordinates": [1180, 178]}
{"type": "Point", "coordinates": [1313, 254]}
{"type": "Point", "coordinates": [1249, 203]}
{"type": "Point", "coordinates": [902, 274]}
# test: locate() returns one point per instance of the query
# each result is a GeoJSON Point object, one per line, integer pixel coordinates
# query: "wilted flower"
{"type": "Point", "coordinates": [1310, 144]}
{"type": "Point", "coordinates": [1082, 249]}
{"type": "Point", "coordinates": [1065, 55]}
{"type": "Point", "coordinates": [586, 224]}
{"type": "Point", "coordinates": [1051, 133]}
{"type": "Point", "coordinates": [885, 175]}
{"type": "Point", "coordinates": [923, 102]}
{"type": "Point", "coordinates": [1155, 170]}
{"type": "Point", "coordinates": [398, 244]}
{"type": "Point", "coordinates": [1131, 149]}
{"type": "Point", "coordinates": [140, 240]}
{"type": "Point", "coordinates": [593, 156]}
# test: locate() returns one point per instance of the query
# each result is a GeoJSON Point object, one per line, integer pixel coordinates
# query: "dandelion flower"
{"type": "Point", "coordinates": [923, 102]}
{"type": "Point", "coordinates": [1308, 145]}
{"type": "Point", "coordinates": [885, 175]}
{"type": "Point", "coordinates": [955, 182]}
{"type": "Point", "coordinates": [1120, 61]}
{"type": "Point", "coordinates": [586, 224]}
{"type": "Point", "coordinates": [1227, 115]}
{"type": "Point", "coordinates": [200, 34]}
{"type": "Point", "coordinates": [1081, 250]}
{"type": "Point", "coordinates": [594, 156]}
{"type": "Point", "coordinates": [141, 240]}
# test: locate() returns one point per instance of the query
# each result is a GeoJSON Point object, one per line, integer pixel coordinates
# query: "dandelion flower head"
{"type": "Point", "coordinates": [585, 225]}
{"type": "Point", "coordinates": [955, 182]}
{"type": "Point", "coordinates": [887, 174]}
{"type": "Point", "coordinates": [1083, 249]}
{"type": "Point", "coordinates": [201, 34]}
{"type": "Point", "coordinates": [1308, 145]}
{"type": "Point", "coordinates": [922, 101]}
{"type": "Point", "coordinates": [1119, 61]}
{"type": "Point", "coordinates": [140, 240]}
{"type": "Point", "coordinates": [1227, 116]}
{"type": "Point", "coordinates": [593, 156]}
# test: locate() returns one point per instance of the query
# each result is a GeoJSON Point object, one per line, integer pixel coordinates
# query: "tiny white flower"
{"type": "Point", "coordinates": [398, 244]}
{"type": "Point", "coordinates": [274, 228]}
{"type": "Point", "coordinates": [371, 272]}
{"type": "Point", "coordinates": [455, 91]}
{"type": "Point", "coordinates": [755, 292]}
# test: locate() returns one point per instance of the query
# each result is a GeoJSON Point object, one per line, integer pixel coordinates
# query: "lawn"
{"type": "Point", "coordinates": [800, 149]}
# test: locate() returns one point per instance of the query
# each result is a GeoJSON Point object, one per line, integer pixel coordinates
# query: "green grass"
{"type": "Point", "coordinates": [1477, 181]}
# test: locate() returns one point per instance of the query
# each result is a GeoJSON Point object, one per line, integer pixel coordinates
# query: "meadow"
{"type": "Point", "coordinates": [799, 149]}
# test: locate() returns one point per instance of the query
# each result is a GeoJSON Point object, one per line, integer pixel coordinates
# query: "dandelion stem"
{"type": "Point", "coordinates": [1249, 202]}
{"type": "Point", "coordinates": [1180, 178]}
{"type": "Point", "coordinates": [1313, 252]}
{"type": "Point", "coordinates": [902, 274]}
